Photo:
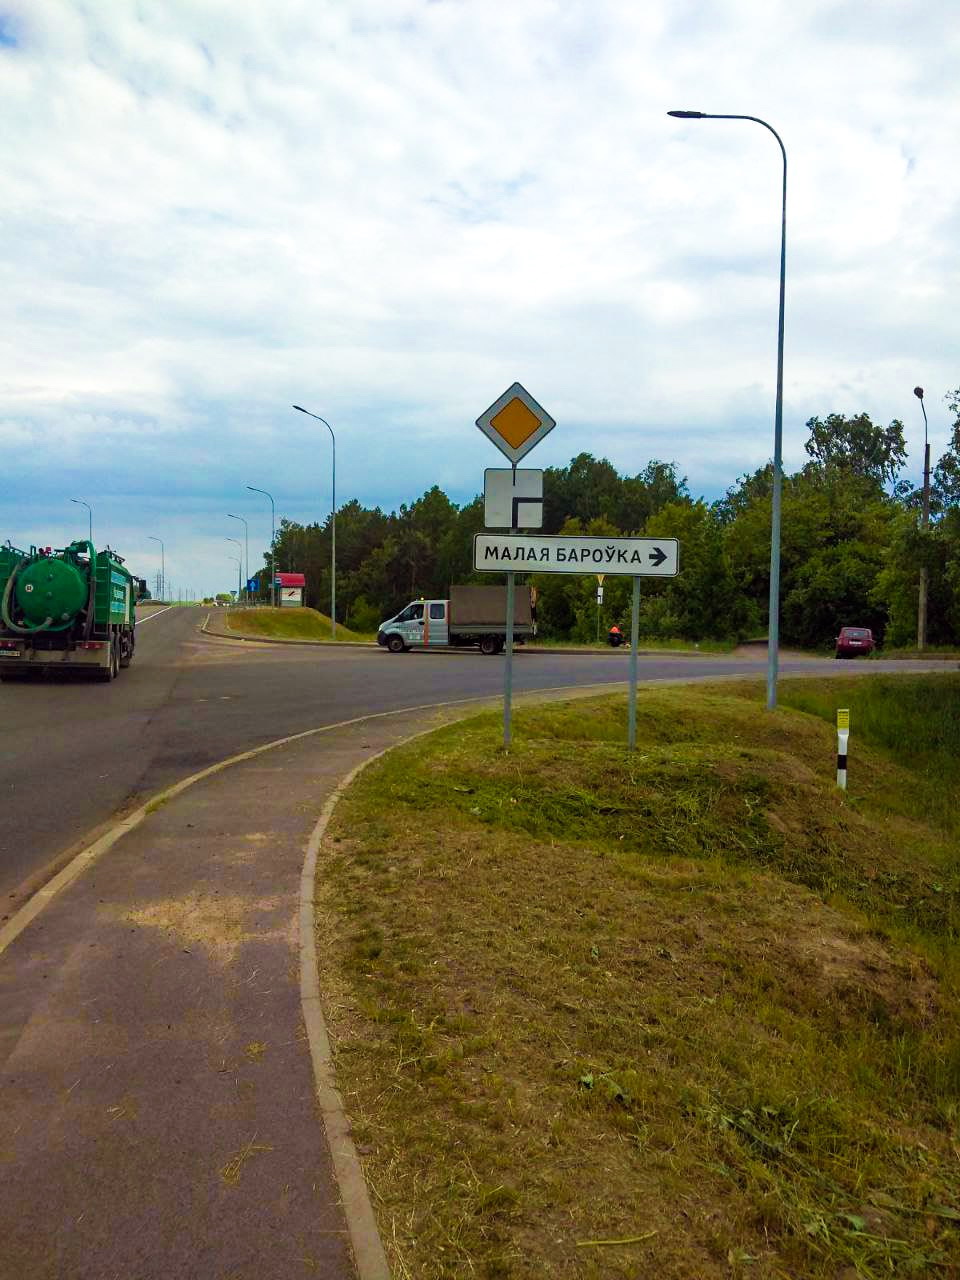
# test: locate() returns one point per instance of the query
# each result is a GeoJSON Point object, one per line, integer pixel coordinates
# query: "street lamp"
{"type": "Point", "coordinates": [239, 564]}
{"type": "Point", "coordinates": [163, 570]}
{"type": "Point", "coordinates": [246, 543]}
{"type": "Point", "coordinates": [239, 545]}
{"type": "Point", "coordinates": [925, 521]}
{"type": "Point", "coordinates": [333, 523]}
{"type": "Point", "coordinates": [273, 540]}
{"type": "Point", "coordinates": [773, 638]}
{"type": "Point", "coordinates": [80, 502]}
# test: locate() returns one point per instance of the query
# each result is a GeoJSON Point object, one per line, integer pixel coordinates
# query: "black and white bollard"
{"type": "Point", "coordinates": [843, 737]}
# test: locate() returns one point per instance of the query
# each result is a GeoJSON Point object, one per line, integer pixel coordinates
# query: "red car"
{"type": "Point", "coordinates": [854, 640]}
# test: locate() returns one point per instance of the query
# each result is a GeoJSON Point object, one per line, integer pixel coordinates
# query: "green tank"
{"type": "Point", "coordinates": [51, 588]}
{"type": "Point", "coordinates": [71, 607]}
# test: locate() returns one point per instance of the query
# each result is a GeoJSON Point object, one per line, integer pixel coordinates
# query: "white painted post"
{"type": "Point", "coordinates": [843, 737]}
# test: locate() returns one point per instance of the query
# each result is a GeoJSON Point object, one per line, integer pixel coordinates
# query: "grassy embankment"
{"type": "Point", "coordinates": [691, 1012]}
{"type": "Point", "coordinates": [287, 624]}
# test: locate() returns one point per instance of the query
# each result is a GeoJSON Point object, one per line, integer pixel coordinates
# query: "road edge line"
{"type": "Point", "coordinates": [139, 621]}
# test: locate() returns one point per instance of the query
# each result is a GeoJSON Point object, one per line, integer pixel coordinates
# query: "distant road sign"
{"type": "Point", "coordinates": [512, 498]}
{"type": "Point", "coordinates": [515, 422]}
{"type": "Point", "coordinates": [623, 557]}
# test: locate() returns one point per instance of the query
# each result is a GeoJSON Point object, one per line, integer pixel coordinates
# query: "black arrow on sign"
{"type": "Point", "coordinates": [658, 556]}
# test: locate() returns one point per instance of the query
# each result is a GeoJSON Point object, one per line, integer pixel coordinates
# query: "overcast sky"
{"type": "Point", "coordinates": [389, 210]}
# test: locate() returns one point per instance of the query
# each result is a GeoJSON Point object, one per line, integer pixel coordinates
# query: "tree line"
{"type": "Point", "coordinates": [852, 546]}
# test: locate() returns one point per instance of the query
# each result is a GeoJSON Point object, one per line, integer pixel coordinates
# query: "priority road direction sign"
{"type": "Point", "coordinates": [543, 553]}
{"type": "Point", "coordinates": [515, 423]}
{"type": "Point", "coordinates": [512, 498]}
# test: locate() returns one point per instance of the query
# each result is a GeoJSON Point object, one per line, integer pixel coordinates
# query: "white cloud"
{"type": "Point", "coordinates": [390, 209]}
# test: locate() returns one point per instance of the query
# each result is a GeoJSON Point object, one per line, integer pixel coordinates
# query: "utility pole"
{"type": "Point", "coordinates": [925, 525]}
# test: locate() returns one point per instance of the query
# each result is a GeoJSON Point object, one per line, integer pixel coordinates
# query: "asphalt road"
{"type": "Point", "coordinates": [76, 753]}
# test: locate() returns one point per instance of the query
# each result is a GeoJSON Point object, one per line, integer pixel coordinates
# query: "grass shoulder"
{"type": "Point", "coordinates": [684, 1012]}
{"type": "Point", "coordinates": [646, 643]}
{"type": "Point", "coordinates": [287, 624]}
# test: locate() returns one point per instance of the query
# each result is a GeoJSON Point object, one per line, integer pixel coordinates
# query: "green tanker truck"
{"type": "Point", "coordinates": [68, 609]}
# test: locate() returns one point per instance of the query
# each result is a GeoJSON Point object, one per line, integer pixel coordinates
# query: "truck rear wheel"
{"type": "Point", "coordinates": [489, 644]}
{"type": "Point", "coordinates": [110, 671]}
{"type": "Point", "coordinates": [395, 644]}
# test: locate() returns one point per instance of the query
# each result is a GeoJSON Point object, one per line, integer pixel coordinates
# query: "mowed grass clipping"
{"type": "Point", "coordinates": [689, 1012]}
{"type": "Point", "coordinates": [286, 624]}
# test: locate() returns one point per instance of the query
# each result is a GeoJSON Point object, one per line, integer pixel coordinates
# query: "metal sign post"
{"type": "Point", "coordinates": [508, 663]}
{"type": "Point", "coordinates": [634, 648]}
{"type": "Point", "coordinates": [515, 422]}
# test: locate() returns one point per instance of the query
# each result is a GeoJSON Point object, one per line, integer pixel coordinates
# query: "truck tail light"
{"type": "Point", "coordinates": [92, 644]}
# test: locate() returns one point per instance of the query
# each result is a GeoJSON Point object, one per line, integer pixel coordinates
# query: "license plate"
{"type": "Point", "coordinates": [9, 653]}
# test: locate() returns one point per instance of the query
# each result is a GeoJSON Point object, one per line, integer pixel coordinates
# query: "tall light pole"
{"type": "Point", "coordinates": [239, 546]}
{"type": "Point", "coordinates": [239, 564]}
{"type": "Point", "coordinates": [773, 636]}
{"type": "Point", "coordinates": [246, 543]}
{"type": "Point", "coordinates": [333, 523]}
{"type": "Point", "coordinates": [273, 541]}
{"type": "Point", "coordinates": [163, 570]}
{"type": "Point", "coordinates": [80, 502]}
{"type": "Point", "coordinates": [925, 522]}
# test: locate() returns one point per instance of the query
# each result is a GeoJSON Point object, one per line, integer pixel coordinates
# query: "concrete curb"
{"type": "Point", "coordinates": [224, 634]}
{"type": "Point", "coordinates": [368, 1252]}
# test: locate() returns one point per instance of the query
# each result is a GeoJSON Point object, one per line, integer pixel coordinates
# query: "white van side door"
{"type": "Point", "coordinates": [436, 626]}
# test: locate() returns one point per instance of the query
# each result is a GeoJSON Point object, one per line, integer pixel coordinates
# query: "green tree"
{"type": "Point", "coordinates": [945, 487]}
{"type": "Point", "coordinates": [586, 490]}
{"type": "Point", "coordinates": [702, 601]}
{"type": "Point", "coordinates": [835, 528]}
{"type": "Point", "coordinates": [643, 495]}
{"type": "Point", "coordinates": [858, 445]}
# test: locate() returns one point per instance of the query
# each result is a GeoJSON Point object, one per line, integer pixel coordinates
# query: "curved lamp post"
{"type": "Point", "coordinates": [80, 502]}
{"type": "Point", "coordinates": [773, 638]}
{"type": "Point", "coordinates": [273, 541]}
{"type": "Point", "coordinates": [239, 564]}
{"type": "Point", "coordinates": [333, 523]}
{"type": "Point", "coordinates": [925, 521]}
{"type": "Point", "coordinates": [239, 546]}
{"type": "Point", "coordinates": [246, 544]}
{"type": "Point", "coordinates": [163, 569]}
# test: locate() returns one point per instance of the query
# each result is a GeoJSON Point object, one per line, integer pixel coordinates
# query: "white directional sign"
{"type": "Point", "coordinates": [515, 422]}
{"type": "Point", "coordinates": [539, 553]}
{"type": "Point", "coordinates": [512, 498]}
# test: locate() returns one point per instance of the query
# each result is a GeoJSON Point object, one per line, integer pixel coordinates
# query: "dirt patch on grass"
{"type": "Point", "coordinates": [579, 996]}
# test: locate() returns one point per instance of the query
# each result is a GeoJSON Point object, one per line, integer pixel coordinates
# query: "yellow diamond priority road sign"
{"type": "Point", "coordinates": [515, 423]}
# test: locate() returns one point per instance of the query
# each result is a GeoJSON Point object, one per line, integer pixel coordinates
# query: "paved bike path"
{"type": "Point", "coordinates": [159, 1108]}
